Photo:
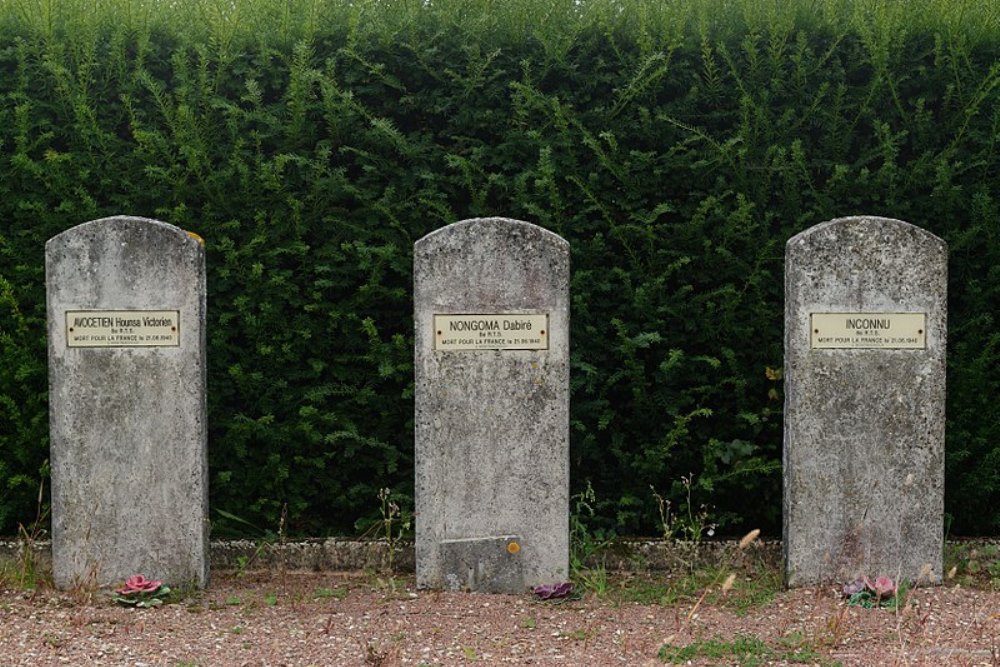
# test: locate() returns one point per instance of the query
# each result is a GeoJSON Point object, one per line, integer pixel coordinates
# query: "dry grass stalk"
{"type": "Point", "coordinates": [731, 578]}
{"type": "Point", "coordinates": [748, 539]}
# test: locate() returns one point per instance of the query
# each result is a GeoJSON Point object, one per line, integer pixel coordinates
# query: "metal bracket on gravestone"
{"type": "Point", "coordinates": [483, 564]}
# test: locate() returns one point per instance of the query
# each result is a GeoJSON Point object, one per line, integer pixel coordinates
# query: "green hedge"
{"type": "Point", "coordinates": [675, 145]}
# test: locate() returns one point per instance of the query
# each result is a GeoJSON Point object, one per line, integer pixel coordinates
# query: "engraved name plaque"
{"type": "Point", "coordinates": [505, 331]}
{"type": "Point", "coordinates": [868, 331]}
{"type": "Point", "coordinates": [123, 328]}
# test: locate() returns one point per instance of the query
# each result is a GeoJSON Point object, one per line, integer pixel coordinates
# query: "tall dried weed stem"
{"type": "Point", "coordinates": [745, 542]}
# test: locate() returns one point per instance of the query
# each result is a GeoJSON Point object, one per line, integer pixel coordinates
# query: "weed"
{"type": "Point", "coordinates": [377, 656]}
{"type": "Point", "coordinates": [29, 574]}
{"type": "Point", "coordinates": [263, 541]}
{"type": "Point", "coordinates": [579, 635]}
{"type": "Point", "coordinates": [283, 566]}
{"type": "Point", "coordinates": [754, 587]}
{"type": "Point", "coordinates": [687, 524]}
{"type": "Point", "coordinates": [336, 593]}
{"type": "Point", "coordinates": [233, 600]}
{"type": "Point", "coordinates": [394, 587]}
{"type": "Point", "coordinates": [391, 517]}
{"type": "Point", "coordinates": [836, 629]}
{"type": "Point", "coordinates": [188, 593]}
{"type": "Point", "coordinates": [794, 640]}
{"type": "Point", "coordinates": [744, 650]}
{"type": "Point", "coordinates": [973, 564]}
{"type": "Point", "coordinates": [798, 647]}
{"type": "Point", "coordinates": [270, 599]}
{"type": "Point", "coordinates": [395, 523]}
{"type": "Point", "coordinates": [645, 589]}
{"type": "Point", "coordinates": [746, 541]}
{"type": "Point", "coordinates": [529, 623]}
{"type": "Point", "coordinates": [594, 579]}
{"type": "Point", "coordinates": [84, 586]}
{"type": "Point", "coordinates": [585, 546]}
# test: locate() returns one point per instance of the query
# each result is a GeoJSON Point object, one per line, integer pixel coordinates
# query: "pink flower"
{"type": "Point", "coordinates": [884, 587]}
{"type": "Point", "coordinates": [138, 584]}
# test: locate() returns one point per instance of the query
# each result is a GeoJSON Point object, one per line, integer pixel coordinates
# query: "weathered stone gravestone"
{"type": "Point", "coordinates": [865, 329]}
{"type": "Point", "coordinates": [126, 334]}
{"type": "Point", "coordinates": [491, 310]}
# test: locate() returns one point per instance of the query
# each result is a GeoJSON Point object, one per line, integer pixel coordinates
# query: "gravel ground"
{"type": "Point", "coordinates": [353, 619]}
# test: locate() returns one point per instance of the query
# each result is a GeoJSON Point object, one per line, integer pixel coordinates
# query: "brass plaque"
{"type": "Point", "coordinates": [504, 331]}
{"type": "Point", "coordinates": [868, 331]}
{"type": "Point", "coordinates": [123, 328]}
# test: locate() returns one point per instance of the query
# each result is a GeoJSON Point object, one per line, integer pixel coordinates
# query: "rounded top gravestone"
{"type": "Point", "coordinates": [491, 312]}
{"type": "Point", "coordinates": [865, 340]}
{"type": "Point", "coordinates": [127, 411]}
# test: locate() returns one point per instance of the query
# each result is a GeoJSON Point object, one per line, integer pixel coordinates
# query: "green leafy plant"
{"type": "Point", "coordinates": [880, 592]}
{"type": "Point", "coordinates": [676, 146]}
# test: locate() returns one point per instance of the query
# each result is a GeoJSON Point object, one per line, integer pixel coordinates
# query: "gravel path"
{"type": "Point", "coordinates": [351, 619]}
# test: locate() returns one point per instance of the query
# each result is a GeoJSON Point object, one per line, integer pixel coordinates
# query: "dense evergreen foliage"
{"type": "Point", "coordinates": [676, 145]}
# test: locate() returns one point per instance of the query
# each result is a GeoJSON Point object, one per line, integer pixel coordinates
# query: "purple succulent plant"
{"type": "Point", "coordinates": [855, 586]}
{"type": "Point", "coordinates": [553, 591]}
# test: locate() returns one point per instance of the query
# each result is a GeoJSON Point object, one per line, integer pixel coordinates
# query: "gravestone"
{"type": "Point", "coordinates": [126, 335]}
{"type": "Point", "coordinates": [865, 330]}
{"type": "Point", "coordinates": [491, 311]}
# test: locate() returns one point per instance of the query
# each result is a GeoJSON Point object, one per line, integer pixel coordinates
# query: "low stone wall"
{"type": "Point", "coordinates": [342, 554]}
